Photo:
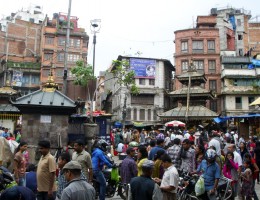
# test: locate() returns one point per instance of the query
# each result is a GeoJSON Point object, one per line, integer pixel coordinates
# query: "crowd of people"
{"type": "Point", "coordinates": [153, 165]}
{"type": "Point", "coordinates": [175, 152]}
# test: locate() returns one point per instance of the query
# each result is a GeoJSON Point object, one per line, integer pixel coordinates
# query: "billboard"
{"type": "Point", "coordinates": [143, 68]}
{"type": "Point", "coordinates": [17, 78]}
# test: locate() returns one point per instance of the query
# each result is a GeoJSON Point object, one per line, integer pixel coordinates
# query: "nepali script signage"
{"type": "Point", "coordinates": [143, 68]}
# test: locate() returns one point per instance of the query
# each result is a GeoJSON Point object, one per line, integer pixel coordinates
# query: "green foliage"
{"type": "Point", "coordinates": [82, 73]}
{"type": "Point", "coordinates": [124, 75]}
{"type": "Point", "coordinates": [26, 65]}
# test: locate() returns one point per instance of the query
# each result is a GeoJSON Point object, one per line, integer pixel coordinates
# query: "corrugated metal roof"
{"type": "Point", "coordinates": [193, 90]}
{"type": "Point", "coordinates": [8, 108]}
{"type": "Point", "coordinates": [232, 59]}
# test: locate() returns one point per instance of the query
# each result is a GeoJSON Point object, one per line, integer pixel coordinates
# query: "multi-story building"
{"type": "Point", "coordinates": [20, 54]}
{"type": "Point", "coordinates": [31, 44]}
{"type": "Point", "coordinates": [202, 45]}
{"type": "Point", "coordinates": [53, 49]}
{"type": "Point", "coordinates": [240, 85]}
{"type": "Point", "coordinates": [153, 77]}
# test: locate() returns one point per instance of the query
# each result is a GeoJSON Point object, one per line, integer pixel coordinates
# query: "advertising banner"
{"type": "Point", "coordinates": [143, 68]}
{"type": "Point", "coordinates": [17, 78]}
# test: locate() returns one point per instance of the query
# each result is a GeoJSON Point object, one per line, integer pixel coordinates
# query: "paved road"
{"type": "Point", "coordinates": [257, 187]}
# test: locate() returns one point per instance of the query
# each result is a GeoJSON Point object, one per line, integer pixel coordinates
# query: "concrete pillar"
{"type": "Point", "coordinates": [90, 132]}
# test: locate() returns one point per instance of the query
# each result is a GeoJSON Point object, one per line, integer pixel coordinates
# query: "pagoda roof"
{"type": "Point", "coordinates": [194, 113]}
{"type": "Point", "coordinates": [194, 91]}
{"type": "Point", "coordinates": [8, 90]}
{"type": "Point", "coordinates": [194, 76]}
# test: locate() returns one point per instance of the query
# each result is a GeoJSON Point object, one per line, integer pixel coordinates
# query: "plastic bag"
{"type": "Point", "coordinates": [114, 174]}
{"type": "Point", "coordinates": [200, 187]}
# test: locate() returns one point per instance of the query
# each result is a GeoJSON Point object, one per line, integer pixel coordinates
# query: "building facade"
{"type": "Point", "coordinates": [153, 77]}
{"type": "Point", "coordinates": [202, 46]}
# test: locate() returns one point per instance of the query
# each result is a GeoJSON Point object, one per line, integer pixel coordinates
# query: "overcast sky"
{"type": "Point", "coordinates": [128, 27]}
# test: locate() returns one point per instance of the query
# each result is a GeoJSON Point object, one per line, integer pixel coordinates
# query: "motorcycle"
{"type": "Point", "coordinates": [113, 182]}
{"type": "Point", "coordinates": [6, 179]}
{"type": "Point", "coordinates": [186, 188]}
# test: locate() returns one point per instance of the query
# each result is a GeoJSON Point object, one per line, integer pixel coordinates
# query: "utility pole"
{"type": "Point", "coordinates": [67, 44]}
{"type": "Point", "coordinates": [124, 112]}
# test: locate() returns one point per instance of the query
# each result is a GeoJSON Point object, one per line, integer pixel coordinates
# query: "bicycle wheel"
{"type": "Point", "coordinates": [123, 191]}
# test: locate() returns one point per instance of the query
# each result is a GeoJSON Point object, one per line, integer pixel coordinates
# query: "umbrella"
{"type": "Point", "coordinates": [175, 123]}
{"type": "Point", "coordinates": [256, 102]}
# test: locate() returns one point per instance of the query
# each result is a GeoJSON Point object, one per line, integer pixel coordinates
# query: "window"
{"type": "Point", "coordinates": [240, 37]}
{"type": "Point", "coordinates": [212, 66]}
{"type": "Point", "coordinates": [26, 79]}
{"type": "Point", "coordinates": [73, 57]}
{"type": "Point", "coordinates": [141, 81]}
{"type": "Point", "coordinates": [240, 52]}
{"type": "Point", "coordinates": [59, 72]}
{"type": "Point", "coordinates": [184, 65]}
{"type": "Point", "coordinates": [149, 116]}
{"type": "Point", "coordinates": [211, 46]}
{"type": "Point", "coordinates": [250, 100]}
{"type": "Point", "coordinates": [146, 99]}
{"type": "Point", "coordinates": [31, 20]}
{"type": "Point", "coordinates": [155, 114]}
{"type": "Point", "coordinates": [184, 46]}
{"type": "Point", "coordinates": [142, 114]}
{"type": "Point", "coordinates": [213, 106]}
{"type": "Point", "coordinates": [135, 114]}
{"type": "Point", "coordinates": [238, 102]}
{"type": "Point", "coordinates": [213, 85]}
{"type": "Point", "coordinates": [197, 46]}
{"type": "Point", "coordinates": [60, 57]}
{"type": "Point", "coordinates": [75, 43]}
{"type": "Point", "coordinates": [49, 40]}
{"type": "Point", "coordinates": [61, 41]}
{"type": "Point", "coordinates": [48, 56]}
{"type": "Point", "coordinates": [151, 81]}
{"type": "Point", "coordinates": [35, 79]}
{"type": "Point", "coordinates": [238, 22]}
{"type": "Point", "coordinates": [199, 64]}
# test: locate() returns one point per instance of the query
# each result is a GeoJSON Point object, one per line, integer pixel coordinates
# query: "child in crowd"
{"type": "Point", "coordinates": [247, 181]}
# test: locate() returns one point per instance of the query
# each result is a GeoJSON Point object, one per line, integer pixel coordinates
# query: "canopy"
{"type": "Point", "coordinates": [256, 102]}
{"type": "Point", "coordinates": [175, 123]}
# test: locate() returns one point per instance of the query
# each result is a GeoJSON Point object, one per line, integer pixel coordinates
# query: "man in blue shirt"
{"type": "Point", "coordinates": [211, 173]}
{"type": "Point", "coordinates": [159, 145]}
{"type": "Point", "coordinates": [98, 161]}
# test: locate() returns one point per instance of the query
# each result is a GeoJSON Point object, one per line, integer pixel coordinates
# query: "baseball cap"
{"type": "Point", "coordinates": [72, 165]}
{"type": "Point", "coordinates": [148, 164]}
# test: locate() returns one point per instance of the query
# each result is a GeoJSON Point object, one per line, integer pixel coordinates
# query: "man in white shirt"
{"type": "Point", "coordinates": [215, 143]}
{"type": "Point", "coordinates": [170, 180]}
{"type": "Point", "coordinates": [187, 135]}
{"type": "Point", "coordinates": [238, 160]}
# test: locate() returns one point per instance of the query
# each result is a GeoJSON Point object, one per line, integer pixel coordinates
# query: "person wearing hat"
{"type": "Point", "coordinates": [128, 168]}
{"type": "Point", "coordinates": [77, 188]}
{"type": "Point", "coordinates": [143, 187]}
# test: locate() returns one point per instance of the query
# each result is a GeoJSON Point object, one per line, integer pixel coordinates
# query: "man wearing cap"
{"type": "Point", "coordinates": [143, 187]}
{"type": "Point", "coordinates": [84, 158]}
{"type": "Point", "coordinates": [128, 168]}
{"type": "Point", "coordinates": [77, 188]}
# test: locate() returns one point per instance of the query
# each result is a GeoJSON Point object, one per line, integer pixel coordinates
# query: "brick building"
{"type": "Point", "coordinates": [202, 45]}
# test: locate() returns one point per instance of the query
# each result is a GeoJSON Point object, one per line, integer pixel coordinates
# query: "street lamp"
{"type": "Point", "coordinates": [95, 28]}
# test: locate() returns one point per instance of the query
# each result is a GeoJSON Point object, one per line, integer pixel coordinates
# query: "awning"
{"type": "Point", "coordinates": [256, 102]}
{"type": "Point", "coordinates": [223, 119]}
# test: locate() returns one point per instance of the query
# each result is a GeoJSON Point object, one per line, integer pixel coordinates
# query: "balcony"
{"type": "Point", "coordinates": [238, 73]}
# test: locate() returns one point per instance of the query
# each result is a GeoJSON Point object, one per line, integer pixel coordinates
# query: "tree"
{"type": "Point", "coordinates": [83, 73]}
{"type": "Point", "coordinates": [124, 75]}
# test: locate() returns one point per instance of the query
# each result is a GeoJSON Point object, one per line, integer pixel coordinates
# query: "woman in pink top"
{"type": "Point", "coordinates": [230, 167]}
